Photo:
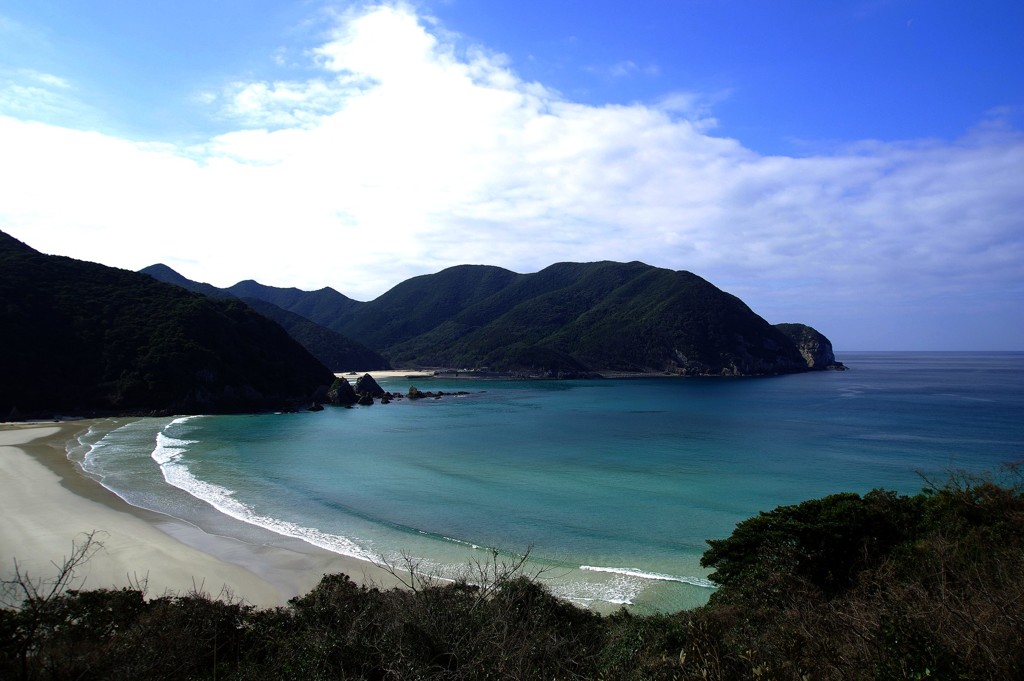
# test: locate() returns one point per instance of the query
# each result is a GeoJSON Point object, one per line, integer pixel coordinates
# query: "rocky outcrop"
{"type": "Point", "coordinates": [367, 390]}
{"type": "Point", "coordinates": [366, 385]}
{"type": "Point", "coordinates": [417, 394]}
{"type": "Point", "coordinates": [342, 393]}
{"type": "Point", "coordinates": [815, 348]}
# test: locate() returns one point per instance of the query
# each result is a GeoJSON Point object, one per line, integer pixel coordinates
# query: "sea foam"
{"type": "Point", "coordinates": [168, 454]}
{"type": "Point", "coordinates": [657, 576]}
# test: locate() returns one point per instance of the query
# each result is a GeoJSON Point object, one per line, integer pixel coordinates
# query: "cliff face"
{"type": "Point", "coordinates": [815, 348]}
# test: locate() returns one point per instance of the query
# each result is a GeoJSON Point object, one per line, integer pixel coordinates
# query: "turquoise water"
{"type": "Point", "coordinates": [614, 485]}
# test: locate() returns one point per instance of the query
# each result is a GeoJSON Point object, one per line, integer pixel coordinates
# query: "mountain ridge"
{"type": "Point", "coordinates": [568, 319]}
{"type": "Point", "coordinates": [336, 351]}
{"type": "Point", "coordinates": [309, 304]}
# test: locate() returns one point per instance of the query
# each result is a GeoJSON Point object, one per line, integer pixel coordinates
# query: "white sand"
{"type": "Point", "coordinates": [46, 504]}
{"type": "Point", "coordinates": [352, 376]}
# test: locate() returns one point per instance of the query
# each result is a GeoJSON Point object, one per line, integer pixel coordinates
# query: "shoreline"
{"type": "Point", "coordinates": [473, 375]}
{"type": "Point", "coordinates": [477, 375]}
{"type": "Point", "coordinates": [49, 503]}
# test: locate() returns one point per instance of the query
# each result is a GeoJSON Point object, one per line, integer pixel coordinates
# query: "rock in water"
{"type": "Point", "coordinates": [366, 385]}
{"type": "Point", "coordinates": [341, 392]}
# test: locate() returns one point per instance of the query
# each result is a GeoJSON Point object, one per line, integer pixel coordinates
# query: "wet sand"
{"type": "Point", "coordinates": [48, 504]}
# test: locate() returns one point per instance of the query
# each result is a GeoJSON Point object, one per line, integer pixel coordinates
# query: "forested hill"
{"type": "Point", "coordinates": [568, 319]}
{"type": "Point", "coordinates": [81, 338]}
{"type": "Point", "coordinates": [336, 351]}
{"type": "Point", "coordinates": [606, 316]}
{"type": "Point", "coordinates": [323, 306]}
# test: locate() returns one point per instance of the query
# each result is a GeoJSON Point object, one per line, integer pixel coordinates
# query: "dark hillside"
{"type": "Point", "coordinates": [503, 331]}
{"type": "Point", "coordinates": [337, 352]}
{"type": "Point", "coordinates": [568, 319]}
{"type": "Point", "coordinates": [325, 306]}
{"type": "Point", "coordinates": [84, 338]}
{"type": "Point", "coordinates": [163, 273]}
{"type": "Point", "coordinates": [677, 322]}
{"type": "Point", "coordinates": [607, 316]}
{"type": "Point", "coordinates": [420, 304]}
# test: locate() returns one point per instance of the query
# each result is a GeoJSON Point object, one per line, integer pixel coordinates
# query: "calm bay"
{"type": "Point", "coordinates": [613, 485]}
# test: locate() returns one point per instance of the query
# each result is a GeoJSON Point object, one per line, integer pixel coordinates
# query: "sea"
{"type": "Point", "coordinates": [611, 487]}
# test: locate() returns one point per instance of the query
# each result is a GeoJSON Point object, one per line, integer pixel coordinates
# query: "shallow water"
{"type": "Point", "coordinates": [614, 485]}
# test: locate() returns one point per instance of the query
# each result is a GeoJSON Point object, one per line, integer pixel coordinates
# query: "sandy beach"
{"type": "Point", "coordinates": [47, 504]}
{"type": "Point", "coordinates": [352, 376]}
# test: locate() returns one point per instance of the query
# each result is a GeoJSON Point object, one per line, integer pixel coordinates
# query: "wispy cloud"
{"type": "Point", "coordinates": [47, 79]}
{"type": "Point", "coordinates": [405, 155]}
{"type": "Point", "coordinates": [28, 93]}
{"type": "Point", "coordinates": [625, 69]}
{"type": "Point", "coordinates": [283, 104]}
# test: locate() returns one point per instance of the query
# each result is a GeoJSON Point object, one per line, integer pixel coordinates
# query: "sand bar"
{"type": "Point", "coordinates": [47, 503]}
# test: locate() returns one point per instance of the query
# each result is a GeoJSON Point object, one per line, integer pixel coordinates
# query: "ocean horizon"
{"type": "Point", "coordinates": [613, 486]}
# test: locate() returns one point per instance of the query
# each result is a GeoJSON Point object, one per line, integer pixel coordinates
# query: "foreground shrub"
{"type": "Point", "coordinates": [880, 586]}
{"type": "Point", "coordinates": [846, 587]}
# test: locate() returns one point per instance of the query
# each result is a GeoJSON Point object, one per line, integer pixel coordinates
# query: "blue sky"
{"type": "Point", "coordinates": [858, 166]}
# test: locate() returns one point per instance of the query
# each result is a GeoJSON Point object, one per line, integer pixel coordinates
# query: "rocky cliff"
{"type": "Point", "coordinates": [815, 348]}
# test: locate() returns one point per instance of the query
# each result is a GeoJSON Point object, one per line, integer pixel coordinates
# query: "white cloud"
{"type": "Point", "coordinates": [284, 104]}
{"type": "Point", "coordinates": [406, 154]}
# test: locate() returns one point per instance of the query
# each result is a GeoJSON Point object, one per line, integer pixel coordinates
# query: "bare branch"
{"type": "Point", "coordinates": [24, 590]}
